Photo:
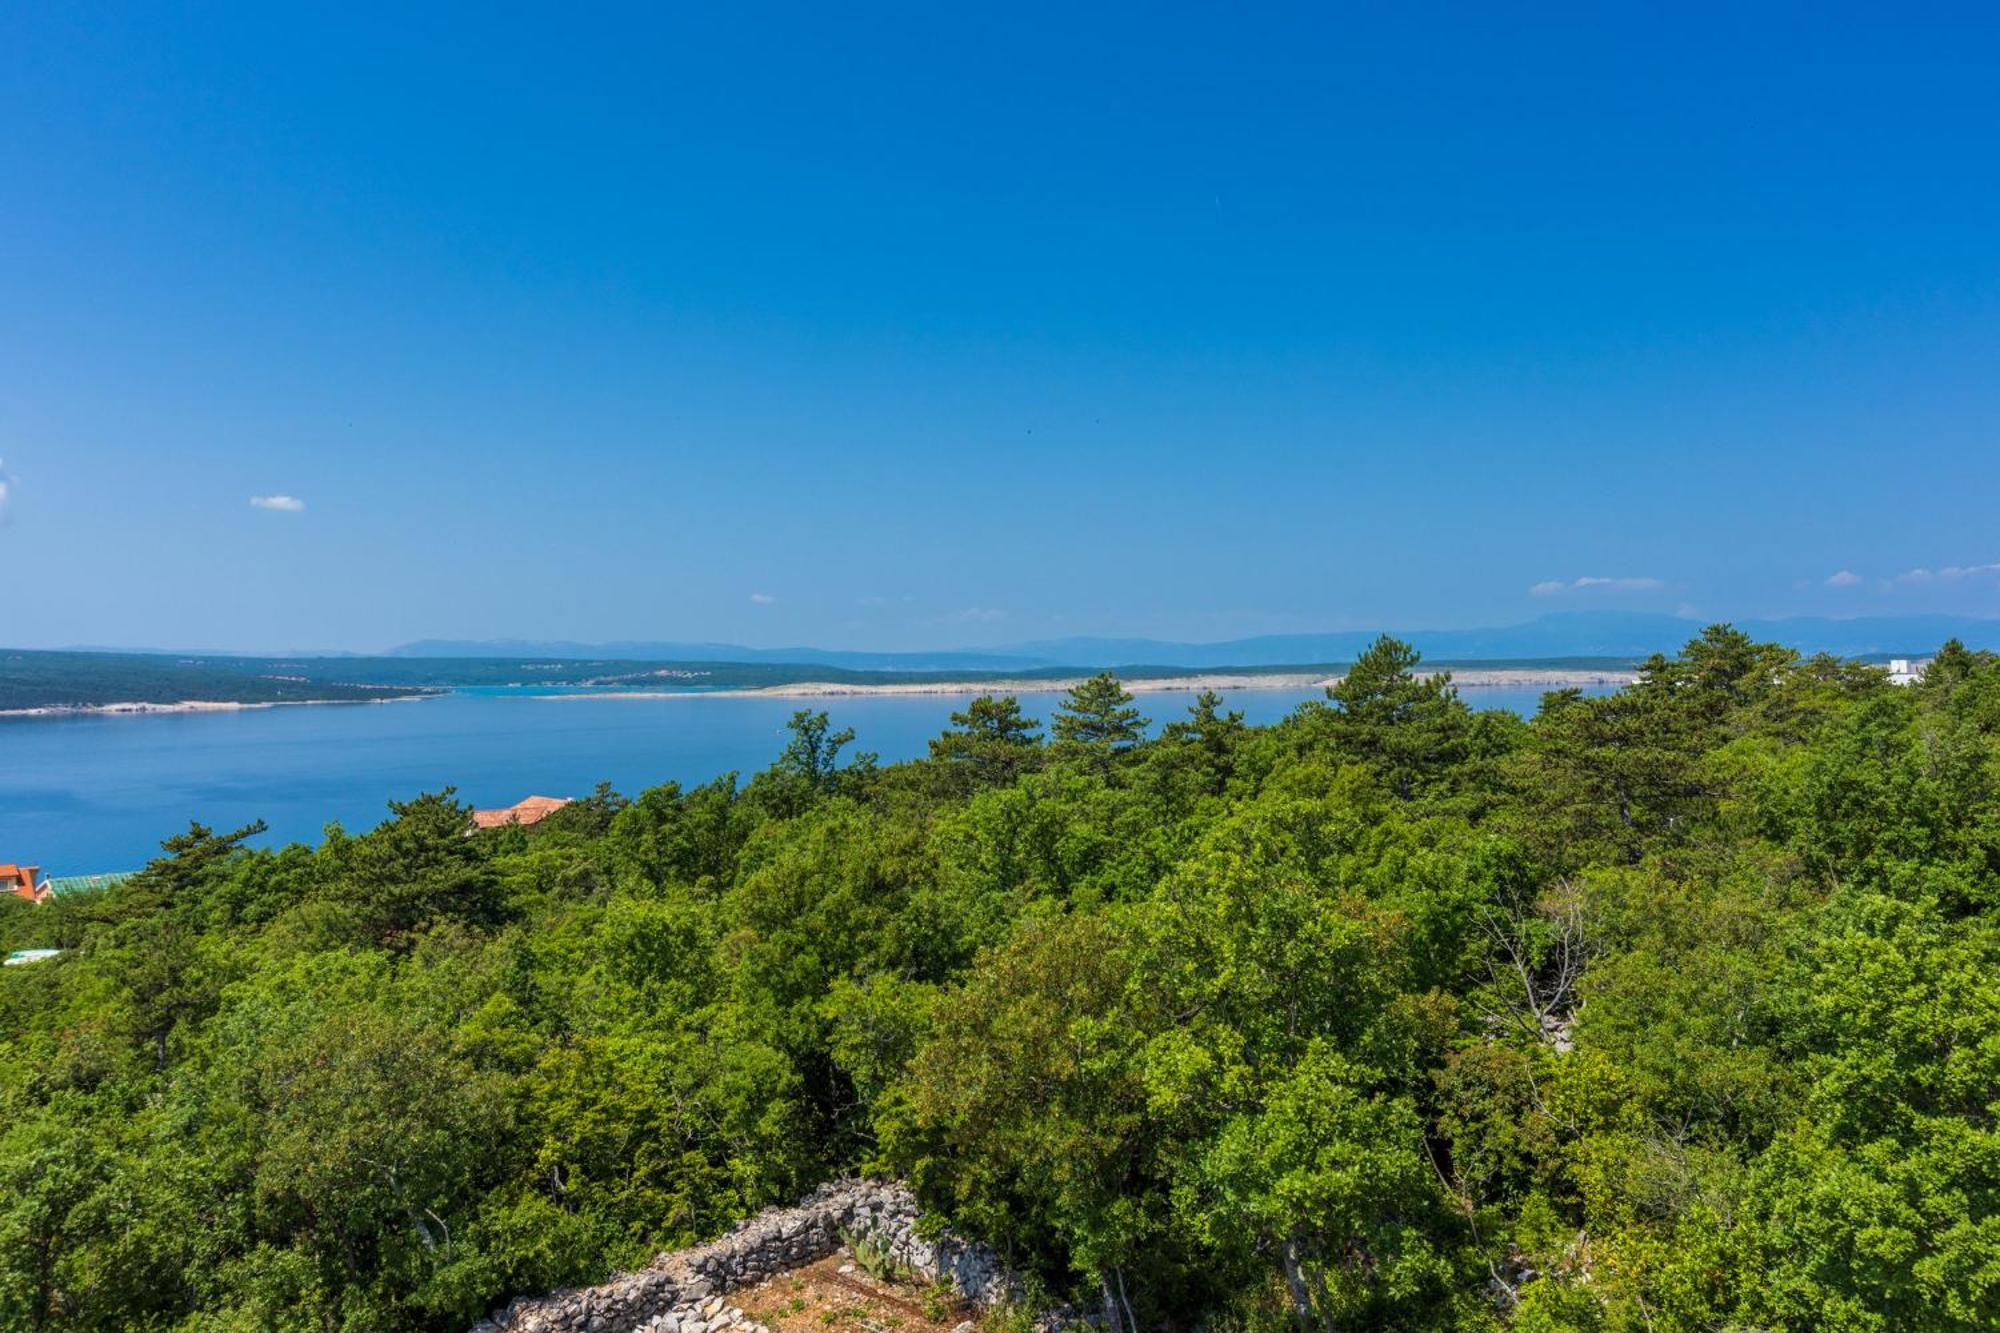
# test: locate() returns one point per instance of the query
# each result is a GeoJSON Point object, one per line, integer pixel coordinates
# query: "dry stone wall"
{"type": "Point", "coordinates": [683, 1291]}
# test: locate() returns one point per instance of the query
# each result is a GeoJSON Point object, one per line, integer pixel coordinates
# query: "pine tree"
{"type": "Point", "coordinates": [1408, 729]}
{"type": "Point", "coordinates": [1098, 715]}
{"type": "Point", "coordinates": [991, 741]}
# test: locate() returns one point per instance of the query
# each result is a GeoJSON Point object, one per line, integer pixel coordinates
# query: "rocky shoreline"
{"type": "Point", "coordinates": [140, 708]}
{"type": "Point", "coordinates": [1472, 679]}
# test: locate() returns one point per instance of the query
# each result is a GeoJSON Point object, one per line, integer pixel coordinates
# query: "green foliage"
{"type": "Point", "coordinates": [1674, 1009]}
{"type": "Point", "coordinates": [989, 744]}
{"type": "Point", "coordinates": [417, 870]}
{"type": "Point", "coordinates": [809, 766]}
{"type": "Point", "coordinates": [871, 1252]}
{"type": "Point", "coordinates": [1410, 730]}
{"type": "Point", "coordinates": [1097, 718]}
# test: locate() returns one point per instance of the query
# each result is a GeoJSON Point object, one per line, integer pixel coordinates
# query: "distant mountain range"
{"type": "Point", "coordinates": [649, 651]}
{"type": "Point", "coordinates": [1576, 634]}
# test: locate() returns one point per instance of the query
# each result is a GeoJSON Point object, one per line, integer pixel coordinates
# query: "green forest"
{"type": "Point", "coordinates": [1673, 1009]}
{"type": "Point", "coordinates": [33, 679]}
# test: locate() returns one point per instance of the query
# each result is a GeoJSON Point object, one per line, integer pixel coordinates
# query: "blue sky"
{"type": "Point", "coordinates": [908, 326]}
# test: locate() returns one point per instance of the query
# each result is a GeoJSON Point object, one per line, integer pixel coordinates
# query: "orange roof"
{"type": "Point", "coordinates": [532, 810]}
{"type": "Point", "coordinates": [21, 881]}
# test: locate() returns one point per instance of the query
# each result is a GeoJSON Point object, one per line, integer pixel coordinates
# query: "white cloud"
{"type": "Point", "coordinates": [1619, 585]}
{"type": "Point", "coordinates": [1846, 578]}
{"type": "Point", "coordinates": [6, 488]}
{"type": "Point", "coordinates": [1923, 577]}
{"type": "Point", "coordinates": [1595, 583]}
{"type": "Point", "coordinates": [975, 615]}
{"type": "Point", "coordinates": [284, 504]}
{"type": "Point", "coordinates": [763, 598]}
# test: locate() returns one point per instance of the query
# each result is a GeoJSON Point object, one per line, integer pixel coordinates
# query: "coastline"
{"type": "Point", "coordinates": [1478, 678]}
{"type": "Point", "coordinates": [140, 708]}
{"type": "Point", "coordinates": [1472, 679]}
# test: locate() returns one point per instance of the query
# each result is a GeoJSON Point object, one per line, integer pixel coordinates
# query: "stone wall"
{"type": "Point", "coordinates": [682, 1292]}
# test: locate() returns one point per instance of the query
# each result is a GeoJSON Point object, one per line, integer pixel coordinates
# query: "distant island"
{"type": "Point", "coordinates": [45, 684]}
{"type": "Point", "coordinates": [1146, 680]}
{"type": "Point", "coordinates": [54, 683]}
{"type": "Point", "coordinates": [1565, 649]}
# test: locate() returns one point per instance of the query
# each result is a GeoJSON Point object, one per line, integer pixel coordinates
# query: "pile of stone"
{"type": "Point", "coordinates": [711, 1316]}
{"type": "Point", "coordinates": [681, 1292]}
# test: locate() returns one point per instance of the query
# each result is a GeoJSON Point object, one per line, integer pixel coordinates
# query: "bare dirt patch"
{"type": "Point", "coordinates": [820, 1298]}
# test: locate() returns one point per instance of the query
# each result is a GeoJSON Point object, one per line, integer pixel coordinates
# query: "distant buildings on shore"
{"type": "Point", "coordinates": [1905, 671]}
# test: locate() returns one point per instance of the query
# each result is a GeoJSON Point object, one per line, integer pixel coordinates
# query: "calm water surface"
{"type": "Point", "coordinates": [88, 794]}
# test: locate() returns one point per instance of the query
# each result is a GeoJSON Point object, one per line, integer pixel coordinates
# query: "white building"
{"type": "Point", "coordinates": [1902, 671]}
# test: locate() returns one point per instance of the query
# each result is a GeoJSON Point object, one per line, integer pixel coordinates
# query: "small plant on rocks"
{"type": "Point", "coordinates": [874, 1257]}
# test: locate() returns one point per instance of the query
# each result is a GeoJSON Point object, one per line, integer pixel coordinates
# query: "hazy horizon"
{"type": "Point", "coordinates": [1576, 627]}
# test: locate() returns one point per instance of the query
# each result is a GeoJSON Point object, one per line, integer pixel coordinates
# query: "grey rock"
{"type": "Point", "coordinates": [681, 1292]}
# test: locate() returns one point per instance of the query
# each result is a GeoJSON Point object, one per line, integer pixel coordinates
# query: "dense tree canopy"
{"type": "Point", "coordinates": [1677, 1008]}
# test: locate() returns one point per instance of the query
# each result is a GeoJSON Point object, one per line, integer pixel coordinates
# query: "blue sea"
{"type": "Point", "coordinates": [81, 795]}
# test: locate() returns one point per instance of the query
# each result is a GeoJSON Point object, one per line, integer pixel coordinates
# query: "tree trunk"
{"type": "Point", "coordinates": [1125, 1300]}
{"type": "Point", "coordinates": [1295, 1283]}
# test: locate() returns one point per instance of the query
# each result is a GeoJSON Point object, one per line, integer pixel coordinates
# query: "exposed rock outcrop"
{"type": "Point", "coordinates": [682, 1291]}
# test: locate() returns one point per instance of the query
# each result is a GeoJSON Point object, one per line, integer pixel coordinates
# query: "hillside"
{"type": "Point", "coordinates": [1675, 1008]}
{"type": "Point", "coordinates": [79, 680]}
{"type": "Point", "coordinates": [62, 681]}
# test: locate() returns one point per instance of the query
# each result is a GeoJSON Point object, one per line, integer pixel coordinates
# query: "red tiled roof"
{"type": "Point", "coordinates": [532, 810]}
